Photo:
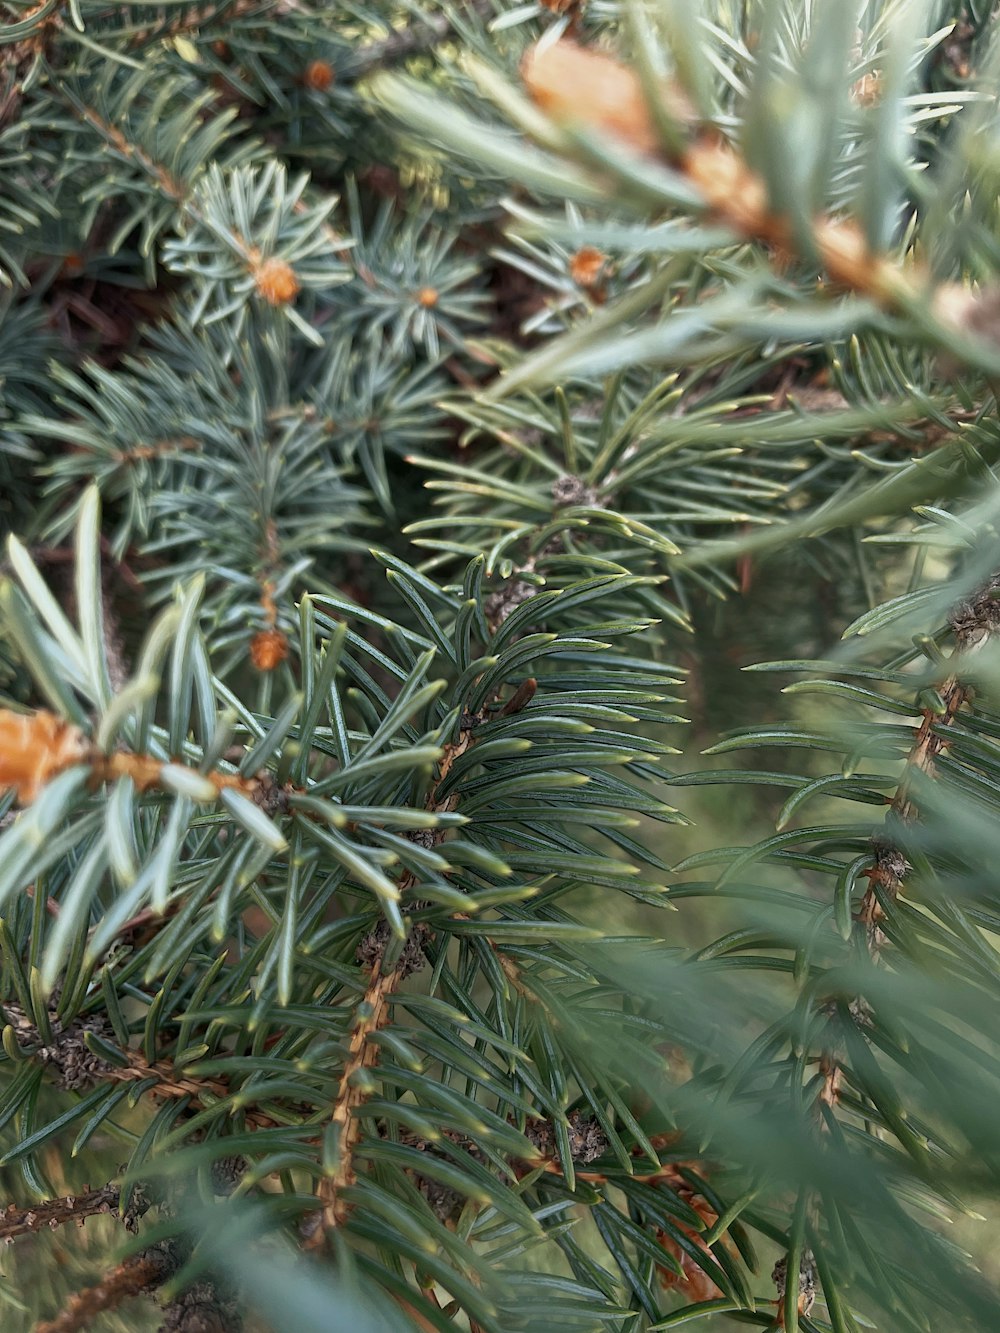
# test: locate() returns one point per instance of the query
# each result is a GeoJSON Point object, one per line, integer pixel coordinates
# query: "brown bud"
{"type": "Point", "coordinates": [587, 266]}
{"type": "Point", "coordinates": [268, 648]}
{"type": "Point", "coordinates": [867, 91]}
{"type": "Point", "coordinates": [595, 92]}
{"type": "Point", "coordinates": [276, 281]}
{"type": "Point", "coordinates": [318, 75]}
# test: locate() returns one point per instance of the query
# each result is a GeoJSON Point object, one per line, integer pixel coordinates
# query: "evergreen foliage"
{"type": "Point", "coordinates": [405, 411]}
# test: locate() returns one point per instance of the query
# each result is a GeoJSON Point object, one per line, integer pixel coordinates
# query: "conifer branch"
{"type": "Point", "coordinates": [175, 189]}
{"type": "Point", "coordinates": [269, 646]}
{"type": "Point", "coordinates": [416, 37]}
{"type": "Point", "coordinates": [246, 378]}
{"type": "Point", "coordinates": [196, 18]}
{"type": "Point", "coordinates": [373, 1014]}
{"type": "Point", "coordinates": [172, 1085]}
{"type": "Point", "coordinates": [973, 622]}
{"type": "Point", "coordinates": [76, 1066]}
{"type": "Point", "coordinates": [591, 91]}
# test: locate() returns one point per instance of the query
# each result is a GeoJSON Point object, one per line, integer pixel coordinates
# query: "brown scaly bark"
{"type": "Point", "coordinates": [53, 1213]}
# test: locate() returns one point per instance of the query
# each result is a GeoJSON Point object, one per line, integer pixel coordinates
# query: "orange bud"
{"type": "Point", "coordinates": [586, 265]}
{"type": "Point", "coordinates": [318, 76]}
{"type": "Point", "coordinates": [276, 281]}
{"type": "Point", "coordinates": [595, 92]}
{"type": "Point", "coordinates": [268, 648]}
{"type": "Point", "coordinates": [34, 747]}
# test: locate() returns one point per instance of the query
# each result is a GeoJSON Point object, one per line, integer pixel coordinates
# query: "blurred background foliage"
{"type": "Point", "coordinates": [498, 734]}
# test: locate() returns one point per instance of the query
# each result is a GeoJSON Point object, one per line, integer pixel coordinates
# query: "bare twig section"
{"type": "Point", "coordinates": [132, 1277]}
{"type": "Point", "coordinates": [53, 1213]}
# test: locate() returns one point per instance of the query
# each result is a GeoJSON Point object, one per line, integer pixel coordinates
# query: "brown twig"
{"type": "Point", "coordinates": [172, 1085]}
{"type": "Point", "coordinates": [16, 1221]}
{"type": "Point", "coordinates": [36, 747]}
{"type": "Point", "coordinates": [132, 1277]}
{"type": "Point", "coordinates": [889, 868]}
{"type": "Point", "coordinates": [193, 19]}
{"type": "Point", "coordinates": [75, 1066]}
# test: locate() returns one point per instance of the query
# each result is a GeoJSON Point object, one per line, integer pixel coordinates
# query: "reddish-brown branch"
{"type": "Point", "coordinates": [888, 869]}
{"type": "Point", "coordinates": [132, 1277]}
{"type": "Point", "coordinates": [886, 874]}
{"type": "Point", "coordinates": [146, 772]}
{"type": "Point", "coordinates": [172, 1085]}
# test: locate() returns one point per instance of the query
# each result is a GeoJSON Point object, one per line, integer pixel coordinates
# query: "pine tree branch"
{"type": "Point", "coordinates": [172, 187]}
{"type": "Point", "coordinates": [376, 1004]}
{"type": "Point", "coordinates": [19, 57]}
{"type": "Point", "coordinates": [887, 874]}
{"type": "Point", "coordinates": [269, 646]}
{"type": "Point", "coordinates": [273, 277]}
{"type": "Point", "coordinates": [194, 19]}
{"type": "Point", "coordinates": [973, 622]}
{"type": "Point", "coordinates": [591, 91]}
{"type": "Point", "coordinates": [373, 1014]}
{"type": "Point", "coordinates": [36, 747]}
{"type": "Point", "coordinates": [64, 1049]}
{"type": "Point", "coordinates": [171, 1085]}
